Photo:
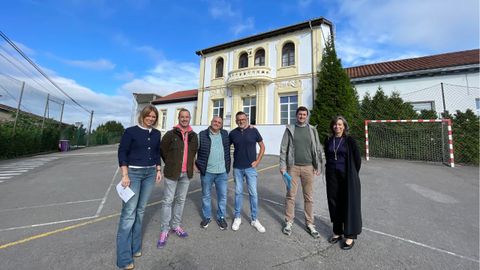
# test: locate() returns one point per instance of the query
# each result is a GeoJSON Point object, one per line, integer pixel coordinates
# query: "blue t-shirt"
{"type": "Point", "coordinates": [245, 142]}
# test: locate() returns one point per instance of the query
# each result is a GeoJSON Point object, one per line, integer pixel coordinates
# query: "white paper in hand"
{"type": "Point", "coordinates": [124, 193]}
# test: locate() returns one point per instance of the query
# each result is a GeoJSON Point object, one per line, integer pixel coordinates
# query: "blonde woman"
{"type": "Point", "coordinates": [139, 160]}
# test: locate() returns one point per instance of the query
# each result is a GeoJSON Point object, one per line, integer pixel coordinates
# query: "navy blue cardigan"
{"type": "Point", "coordinates": [204, 150]}
{"type": "Point", "coordinates": [138, 147]}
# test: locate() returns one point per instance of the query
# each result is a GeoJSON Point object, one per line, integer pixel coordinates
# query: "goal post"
{"type": "Point", "coordinates": [413, 139]}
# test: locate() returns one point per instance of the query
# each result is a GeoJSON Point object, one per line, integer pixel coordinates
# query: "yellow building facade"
{"type": "Point", "coordinates": [267, 75]}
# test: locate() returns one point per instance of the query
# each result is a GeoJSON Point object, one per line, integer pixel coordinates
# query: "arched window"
{"type": "Point", "coordinates": [219, 68]}
{"type": "Point", "coordinates": [243, 60]}
{"type": "Point", "coordinates": [260, 58]}
{"type": "Point", "coordinates": [288, 55]}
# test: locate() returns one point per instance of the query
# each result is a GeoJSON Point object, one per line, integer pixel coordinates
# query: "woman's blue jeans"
{"type": "Point", "coordinates": [129, 235]}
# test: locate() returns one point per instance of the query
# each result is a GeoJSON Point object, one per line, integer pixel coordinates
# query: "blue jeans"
{"type": "Point", "coordinates": [250, 174]}
{"type": "Point", "coordinates": [175, 192]}
{"type": "Point", "coordinates": [129, 235]}
{"type": "Point", "coordinates": [220, 181]}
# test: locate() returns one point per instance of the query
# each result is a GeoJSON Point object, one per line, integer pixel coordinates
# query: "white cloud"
{"type": "Point", "coordinates": [304, 3]}
{"type": "Point", "coordinates": [121, 39]}
{"type": "Point", "coordinates": [166, 77]}
{"type": "Point", "coordinates": [100, 64]}
{"type": "Point", "coordinates": [369, 30]}
{"type": "Point", "coordinates": [124, 76]}
{"type": "Point", "coordinates": [106, 107]}
{"type": "Point", "coordinates": [151, 52]}
{"type": "Point", "coordinates": [221, 9]}
{"type": "Point", "coordinates": [244, 26]}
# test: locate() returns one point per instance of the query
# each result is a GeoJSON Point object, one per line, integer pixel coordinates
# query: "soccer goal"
{"type": "Point", "coordinates": [421, 139]}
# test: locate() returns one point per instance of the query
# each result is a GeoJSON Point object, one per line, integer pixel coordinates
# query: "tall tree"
{"type": "Point", "coordinates": [334, 94]}
{"type": "Point", "coordinates": [382, 106]}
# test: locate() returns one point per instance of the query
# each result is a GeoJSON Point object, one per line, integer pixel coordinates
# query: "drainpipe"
{"type": "Point", "coordinates": [203, 85]}
{"type": "Point", "coordinates": [313, 64]}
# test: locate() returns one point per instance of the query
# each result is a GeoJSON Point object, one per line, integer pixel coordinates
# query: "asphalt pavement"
{"type": "Point", "coordinates": [63, 213]}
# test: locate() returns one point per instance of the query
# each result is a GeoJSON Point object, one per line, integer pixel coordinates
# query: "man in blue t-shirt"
{"type": "Point", "coordinates": [245, 161]}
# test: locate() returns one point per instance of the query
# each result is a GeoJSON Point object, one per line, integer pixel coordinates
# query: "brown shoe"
{"type": "Point", "coordinates": [129, 267]}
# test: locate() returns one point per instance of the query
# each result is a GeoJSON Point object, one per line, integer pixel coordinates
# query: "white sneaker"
{"type": "Point", "coordinates": [258, 226]}
{"type": "Point", "coordinates": [236, 223]}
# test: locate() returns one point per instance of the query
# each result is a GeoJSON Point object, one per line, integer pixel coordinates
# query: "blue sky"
{"type": "Point", "coordinates": [102, 51]}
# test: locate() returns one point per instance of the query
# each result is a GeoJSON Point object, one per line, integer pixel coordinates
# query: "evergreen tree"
{"type": "Point", "coordinates": [382, 106]}
{"type": "Point", "coordinates": [334, 94]}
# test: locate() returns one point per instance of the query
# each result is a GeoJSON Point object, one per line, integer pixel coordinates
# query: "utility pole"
{"type": "Point", "coordinates": [61, 113]}
{"type": "Point", "coordinates": [45, 112]}
{"type": "Point", "coordinates": [90, 128]}
{"type": "Point", "coordinates": [18, 108]}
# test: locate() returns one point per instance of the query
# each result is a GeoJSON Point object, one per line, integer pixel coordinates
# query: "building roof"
{"type": "Point", "coordinates": [427, 65]}
{"type": "Point", "coordinates": [264, 35]}
{"type": "Point", "coordinates": [145, 97]}
{"type": "Point", "coordinates": [180, 96]}
{"type": "Point", "coordinates": [7, 109]}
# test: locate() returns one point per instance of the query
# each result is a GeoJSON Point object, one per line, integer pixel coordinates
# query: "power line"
{"type": "Point", "coordinates": [28, 76]}
{"type": "Point", "coordinates": [15, 99]}
{"type": "Point", "coordinates": [39, 70]}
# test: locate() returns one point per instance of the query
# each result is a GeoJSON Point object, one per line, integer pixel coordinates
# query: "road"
{"type": "Point", "coordinates": [60, 211]}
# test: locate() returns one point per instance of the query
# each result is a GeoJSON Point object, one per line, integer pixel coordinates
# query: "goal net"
{"type": "Point", "coordinates": [427, 140]}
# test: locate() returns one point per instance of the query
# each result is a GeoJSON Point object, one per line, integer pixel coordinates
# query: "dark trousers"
{"type": "Point", "coordinates": [337, 200]}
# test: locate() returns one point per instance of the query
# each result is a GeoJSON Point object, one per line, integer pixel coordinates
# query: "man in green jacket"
{"type": "Point", "coordinates": [302, 157]}
{"type": "Point", "coordinates": [178, 149]}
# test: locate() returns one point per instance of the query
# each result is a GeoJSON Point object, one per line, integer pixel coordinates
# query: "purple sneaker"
{"type": "Point", "coordinates": [180, 232]}
{"type": "Point", "coordinates": [163, 240]}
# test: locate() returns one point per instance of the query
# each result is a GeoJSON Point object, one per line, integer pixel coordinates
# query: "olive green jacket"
{"type": "Point", "coordinates": [287, 149]}
{"type": "Point", "coordinates": [172, 153]}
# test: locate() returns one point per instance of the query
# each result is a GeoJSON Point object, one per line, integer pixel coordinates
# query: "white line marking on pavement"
{"type": "Point", "coordinates": [100, 207]}
{"type": "Point", "coordinates": [13, 171]}
{"type": "Point", "coordinates": [17, 167]}
{"type": "Point", "coordinates": [8, 174]}
{"type": "Point", "coordinates": [422, 245]}
{"type": "Point", "coordinates": [89, 154]}
{"type": "Point", "coordinates": [387, 234]}
{"type": "Point", "coordinates": [45, 224]}
{"type": "Point", "coordinates": [1, 181]}
{"type": "Point", "coordinates": [5, 177]}
{"type": "Point", "coordinates": [47, 205]}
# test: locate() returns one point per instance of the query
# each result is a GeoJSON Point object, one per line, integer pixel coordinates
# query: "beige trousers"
{"type": "Point", "coordinates": [305, 174]}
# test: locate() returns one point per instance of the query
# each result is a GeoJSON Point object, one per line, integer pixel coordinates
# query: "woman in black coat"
{"type": "Point", "coordinates": [343, 183]}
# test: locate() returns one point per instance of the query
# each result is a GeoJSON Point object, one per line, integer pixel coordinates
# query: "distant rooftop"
{"type": "Point", "coordinates": [145, 97]}
{"type": "Point", "coordinates": [469, 59]}
{"type": "Point", "coordinates": [185, 95]}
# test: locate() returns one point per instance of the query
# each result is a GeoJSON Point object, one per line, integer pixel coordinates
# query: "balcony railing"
{"type": "Point", "coordinates": [249, 76]}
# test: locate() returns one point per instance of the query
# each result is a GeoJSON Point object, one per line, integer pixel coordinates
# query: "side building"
{"type": "Point", "coordinates": [443, 82]}
{"type": "Point", "coordinates": [141, 100]}
{"type": "Point", "coordinates": [266, 75]}
{"type": "Point", "coordinates": [169, 106]}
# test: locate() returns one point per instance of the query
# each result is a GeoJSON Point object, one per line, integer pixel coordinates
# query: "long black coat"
{"type": "Point", "coordinates": [353, 213]}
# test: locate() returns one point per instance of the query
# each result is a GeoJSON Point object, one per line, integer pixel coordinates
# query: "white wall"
{"type": "Point", "coordinates": [172, 112]}
{"type": "Point", "coordinates": [307, 93]}
{"type": "Point", "coordinates": [305, 53]}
